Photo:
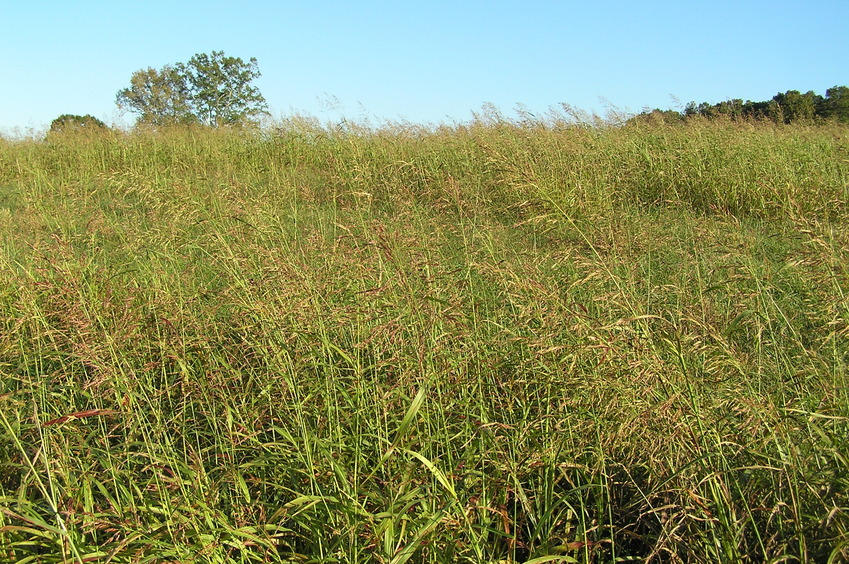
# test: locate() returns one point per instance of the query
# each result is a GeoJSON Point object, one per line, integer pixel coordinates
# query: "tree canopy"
{"type": "Point", "coordinates": [70, 122]}
{"type": "Point", "coordinates": [787, 107]}
{"type": "Point", "coordinates": [211, 89]}
{"type": "Point", "coordinates": [157, 97]}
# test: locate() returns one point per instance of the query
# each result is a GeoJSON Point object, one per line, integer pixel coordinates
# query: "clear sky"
{"type": "Point", "coordinates": [425, 62]}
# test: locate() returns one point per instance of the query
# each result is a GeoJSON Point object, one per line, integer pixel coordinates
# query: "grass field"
{"type": "Point", "coordinates": [506, 341]}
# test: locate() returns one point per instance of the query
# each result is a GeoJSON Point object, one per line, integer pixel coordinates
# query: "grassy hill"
{"type": "Point", "coordinates": [495, 342]}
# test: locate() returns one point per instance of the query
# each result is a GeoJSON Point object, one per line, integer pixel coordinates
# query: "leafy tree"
{"type": "Point", "coordinates": [159, 97]}
{"type": "Point", "coordinates": [836, 103]}
{"type": "Point", "coordinates": [795, 106]}
{"type": "Point", "coordinates": [69, 122]}
{"type": "Point", "coordinates": [704, 109]}
{"type": "Point", "coordinates": [757, 110]}
{"type": "Point", "coordinates": [657, 116]}
{"type": "Point", "coordinates": [731, 108]}
{"type": "Point", "coordinates": [220, 88]}
{"type": "Point", "coordinates": [210, 89]}
{"type": "Point", "coordinates": [775, 112]}
{"type": "Point", "coordinates": [788, 107]}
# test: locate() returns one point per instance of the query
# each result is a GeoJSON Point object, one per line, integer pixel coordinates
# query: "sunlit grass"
{"type": "Point", "coordinates": [495, 342]}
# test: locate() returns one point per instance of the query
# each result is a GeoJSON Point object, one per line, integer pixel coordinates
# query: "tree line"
{"type": "Point", "coordinates": [210, 89]}
{"type": "Point", "coordinates": [217, 90]}
{"type": "Point", "coordinates": [788, 107]}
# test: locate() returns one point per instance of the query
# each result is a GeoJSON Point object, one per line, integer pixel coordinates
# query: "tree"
{"type": "Point", "coordinates": [836, 103]}
{"type": "Point", "coordinates": [210, 89]}
{"type": "Point", "coordinates": [791, 106]}
{"type": "Point", "coordinates": [755, 110]}
{"type": "Point", "coordinates": [159, 97]}
{"type": "Point", "coordinates": [794, 106]}
{"type": "Point", "coordinates": [220, 89]}
{"type": "Point", "coordinates": [73, 123]}
{"type": "Point", "coordinates": [730, 108]}
{"type": "Point", "coordinates": [657, 115]}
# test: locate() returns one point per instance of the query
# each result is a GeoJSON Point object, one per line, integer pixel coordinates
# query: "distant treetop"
{"type": "Point", "coordinates": [70, 122]}
{"type": "Point", "coordinates": [211, 89]}
{"type": "Point", "coordinates": [791, 106]}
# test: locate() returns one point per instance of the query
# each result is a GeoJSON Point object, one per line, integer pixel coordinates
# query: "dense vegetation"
{"type": "Point", "coordinates": [790, 107]}
{"type": "Point", "coordinates": [495, 342]}
{"type": "Point", "coordinates": [70, 122]}
{"type": "Point", "coordinates": [211, 89]}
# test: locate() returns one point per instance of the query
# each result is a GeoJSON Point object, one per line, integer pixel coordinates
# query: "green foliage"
{"type": "Point", "coordinates": [788, 107]}
{"type": "Point", "coordinates": [658, 115]}
{"type": "Point", "coordinates": [793, 106]}
{"type": "Point", "coordinates": [210, 89]}
{"type": "Point", "coordinates": [836, 103]}
{"type": "Point", "coordinates": [158, 97]}
{"type": "Point", "coordinates": [69, 123]}
{"type": "Point", "coordinates": [220, 89]}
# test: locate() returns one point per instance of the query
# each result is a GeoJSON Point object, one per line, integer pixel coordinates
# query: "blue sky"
{"type": "Point", "coordinates": [425, 62]}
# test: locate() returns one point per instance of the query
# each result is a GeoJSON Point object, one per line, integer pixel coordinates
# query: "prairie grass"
{"type": "Point", "coordinates": [490, 342]}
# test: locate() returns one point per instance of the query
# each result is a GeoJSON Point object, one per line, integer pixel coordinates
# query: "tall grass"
{"type": "Point", "coordinates": [491, 342]}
